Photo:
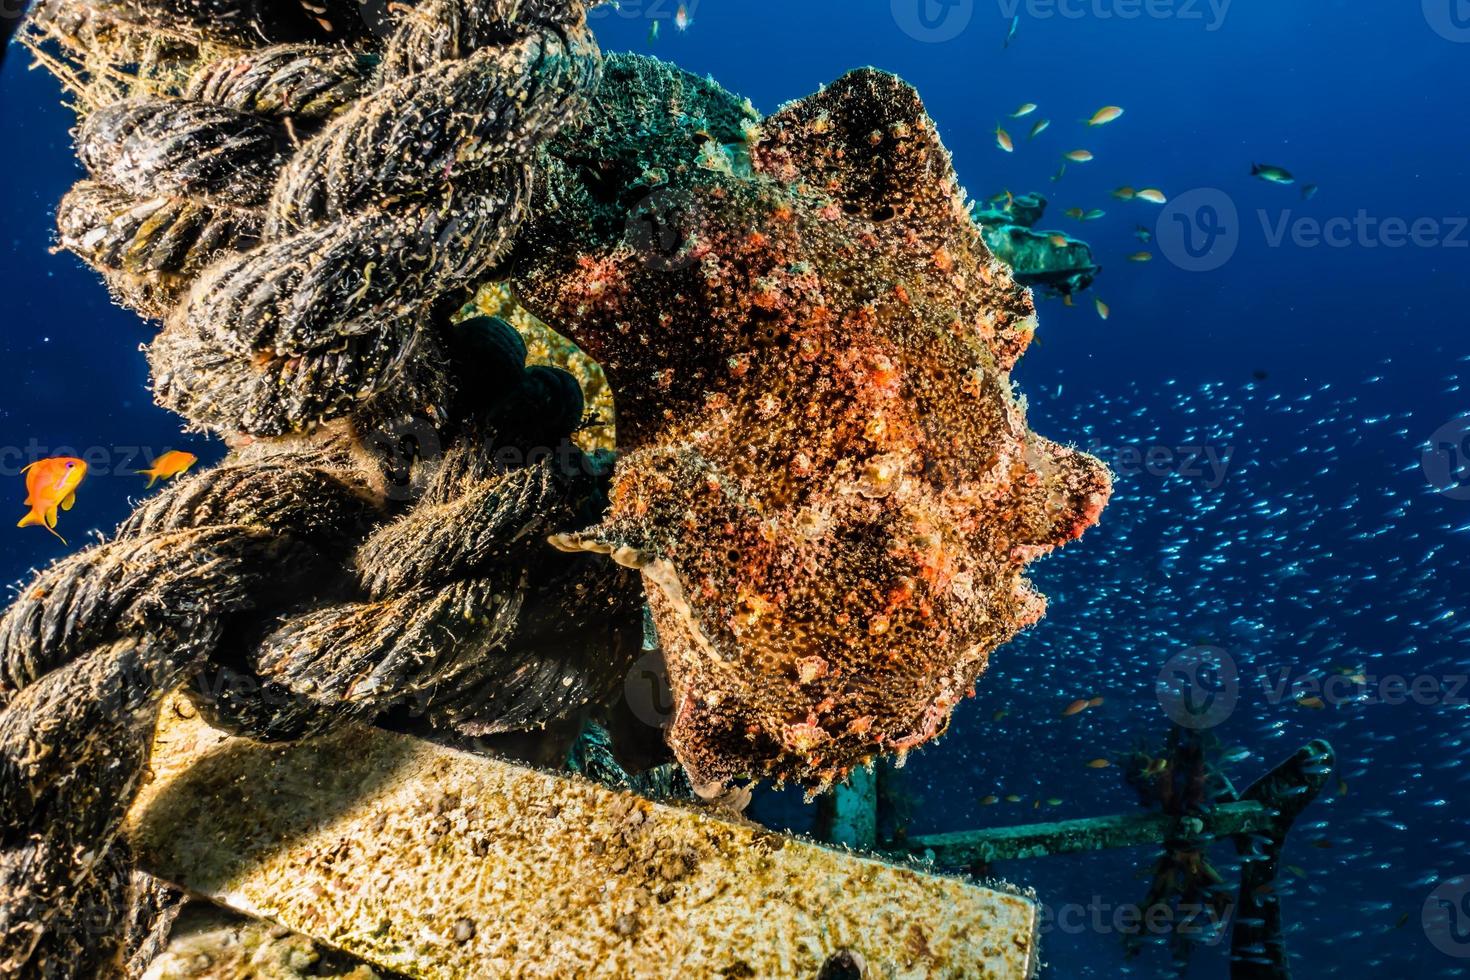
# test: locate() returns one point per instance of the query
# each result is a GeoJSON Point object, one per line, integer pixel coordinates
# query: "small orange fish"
{"type": "Point", "coordinates": [1073, 708]}
{"type": "Point", "coordinates": [1079, 156]}
{"type": "Point", "coordinates": [1102, 309]}
{"type": "Point", "coordinates": [1099, 764]}
{"type": "Point", "coordinates": [1125, 193]}
{"type": "Point", "coordinates": [1152, 195]}
{"type": "Point", "coordinates": [169, 465]}
{"type": "Point", "coordinates": [1058, 241]}
{"type": "Point", "coordinates": [1003, 140]}
{"type": "Point", "coordinates": [1105, 115]}
{"type": "Point", "coordinates": [51, 484]}
{"type": "Point", "coordinates": [1141, 257]}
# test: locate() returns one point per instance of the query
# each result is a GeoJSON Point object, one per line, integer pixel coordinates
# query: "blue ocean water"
{"type": "Point", "coordinates": [1282, 391]}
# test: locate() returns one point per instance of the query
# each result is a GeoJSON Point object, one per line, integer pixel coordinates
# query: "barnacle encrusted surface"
{"type": "Point", "coordinates": [827, 480]}
{"type": "Point", "coordinates": [443, 865]}
{"type": "Point", "coordinates": [209, 943]}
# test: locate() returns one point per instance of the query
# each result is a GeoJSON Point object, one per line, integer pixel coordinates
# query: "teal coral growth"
{"type": "Point", "coordinates": [1050, 260]}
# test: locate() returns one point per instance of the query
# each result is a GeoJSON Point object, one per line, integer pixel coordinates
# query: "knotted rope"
{"type": "Point", "coordinates": [297, 215]}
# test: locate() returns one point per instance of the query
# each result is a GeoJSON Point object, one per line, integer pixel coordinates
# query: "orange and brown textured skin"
{"type": "Point", "coordinates": [826, 478]}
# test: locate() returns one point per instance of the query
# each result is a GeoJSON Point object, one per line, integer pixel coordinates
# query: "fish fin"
{"type": "Point", "coordinates": [28, 466]}
{"type": "Point", "coordinates": [152, 476]}
{"type": "Point", "coordinates": [46, 520]}
{"type": "Point", "coordinates": [70, 501]}
{"type": "Point", "coordinates": [605, 540]}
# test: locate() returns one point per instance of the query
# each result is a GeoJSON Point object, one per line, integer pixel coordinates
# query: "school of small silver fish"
{"type": "Point", "coordinates": [1294, 527]}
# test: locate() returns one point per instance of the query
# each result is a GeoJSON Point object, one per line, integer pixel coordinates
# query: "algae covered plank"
{"type": "Point", "coordinates": [437, 863]}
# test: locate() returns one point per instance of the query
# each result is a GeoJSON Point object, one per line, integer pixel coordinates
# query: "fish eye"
{"type": "Point", "coordinates": [69, 465]}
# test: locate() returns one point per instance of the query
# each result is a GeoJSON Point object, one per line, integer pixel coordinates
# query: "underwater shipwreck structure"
{"type": "Point", "coordinates": [334, 682]}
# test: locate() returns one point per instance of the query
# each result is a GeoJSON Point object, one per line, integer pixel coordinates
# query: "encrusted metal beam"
{"type": "Point", "coordinates": [1258, 940]}
{"type": "Point", "coordinates": [967, 848]}
{"type": "Point", "coordinates": [848, 813]}
{"type": "Point", "coordinates": [440, 864]}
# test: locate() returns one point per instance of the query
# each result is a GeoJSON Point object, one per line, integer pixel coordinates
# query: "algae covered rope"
{"type": "Point", "coordinates": [293, 212]}
{"type": "Point", "coordinates": [459, 609]}
{"type": "Point", "coordinates": [87, 653]}
{"type": "Point", "coordinates": [298, 275]}
{"type": "Point", "coordinates": [273, 586]}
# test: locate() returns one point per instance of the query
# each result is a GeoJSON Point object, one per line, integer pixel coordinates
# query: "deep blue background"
{"type": "Point", "coordinates": [1323, 547]}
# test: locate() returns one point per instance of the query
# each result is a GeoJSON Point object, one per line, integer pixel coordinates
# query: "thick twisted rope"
{"type": "Point", "coordinates": [276, 570]}
{"type": "Point", "coordinates": [85, 656]}
{"type": "Point", "coordinates": [295, 216]}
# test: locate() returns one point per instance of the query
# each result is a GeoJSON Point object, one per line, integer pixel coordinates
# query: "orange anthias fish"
{"type": "Point", "coordinates": [51, 484]}
{"type": "Point", "coordinates": [169, 465]}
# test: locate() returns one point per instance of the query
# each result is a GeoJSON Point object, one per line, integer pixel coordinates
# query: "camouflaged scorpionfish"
{"type": "Point", "coordinates": [827, 481]}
